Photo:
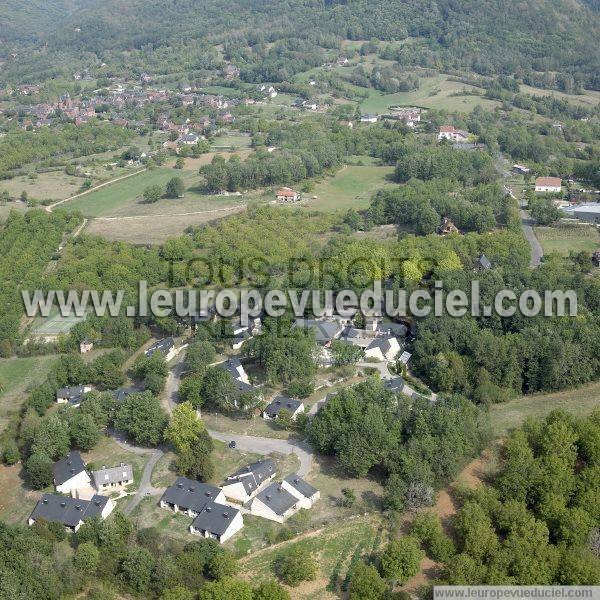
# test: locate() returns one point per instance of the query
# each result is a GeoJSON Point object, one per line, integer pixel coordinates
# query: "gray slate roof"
{"type": "Point", "coordinates": [253, 475]}
{"type": "Point", "coordinates": [277, 499]}
{"type": "Point", "coordinates": [68, 467]}
{"type": "Point", "coordinates": [302, 486]}
{"type": "Point", "coordinates": [112, 475]}
{"type": "Point", "coordinates": [68, 511]}
{"type": "Point", "coordinates": [215, 518]}
{"type": "Point", "coordinates": [325, 331]}
{"type": "Point", "coordinates": [73, 394]}
{"type": "Point", "coordinates": [122, 393]}
{"type": "Point", "coordinates": [280, 403]}
{"type": "Point", "coordinates": [483, 262]}
{"type": "Point", "coordinates": [164, 346]}
{"type": "Point", "coordinates": [189, 494]}
{"type": "Point", "coordinates": [384, 343]}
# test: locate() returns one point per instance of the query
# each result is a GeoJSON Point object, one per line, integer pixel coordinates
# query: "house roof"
{"type": "Point", "coordinates": [483, 262]}
{"type": "Point", "coordinates": [165, 345]}
{"type": "Point", "coordinates": [122, 393]}
{"type": "Point", "coordinates": [282, 402]}
{"type": "Point", "coordinates": [190, 494]}
{"type": "Point", "coordinates": [286, 192]}
{"type": "Point", "coordinates": [252, 476]}
{"type": "Point", "coordinates": [307, 490]}
{"type": "Point", "coordinates": [67, 467]}
{"type": "Point", "coordinates": [548, 181]}
{"type": "Point", "coordinates": [384, 343]}
{"type": "Point", "coordinates": [215, 518]}
{"type": "Point", "coordinates": [75, 391]}
{"type": "Point", "coordinates": [325, 330]}
{"type": "Point", "coordinates": [68, 511]}
{"type": "Point", "coordinates": [112, 474]}
{"type": "Point", "coordinates": [278, 499]}
{"type": "Point", "coordinates": [447, 129]}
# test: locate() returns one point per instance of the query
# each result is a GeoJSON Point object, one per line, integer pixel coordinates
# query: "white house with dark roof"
{"type": "Point", "coordinates": [72, 395]}
{"type": "Point", "coordinates": [383, 348]}
{"type": "Point", "coordinates": [189, 496]}
{"type": "Point", "coordinates": [279, 403]}
{"type": "Point", "coordinates": [246, 482]}
{"type": "Point", "coordinates": [70, 512]}
{"type": "Point", "coordinates": [274, 503]}
{"type": "Point", "coordinates": [326, 330]}
{"type": "Point", "coordinates": [306, 494]}
{"type": "Point", "coordinates": [217, 521]}
{"type": "Point", "coordinates": [70, 475]}
{"type": "Point", "coordinates": [112, 478]}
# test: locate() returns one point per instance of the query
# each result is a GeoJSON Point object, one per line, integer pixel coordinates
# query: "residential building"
{"type": "Point", "coordinates": [548, 184]}
{"type": "Point", "coordinates": [165, 346]}
{"type": "Point", "coordinates": [71, 512]}
{"type": "Point", "coordinates": [122, 393]}
{"type": "Point", "coordinates": [368, 118]}
{"type": "Point", "coordinates": [70, 475]}
{"type": "Point", "coordinates": [188, 139]}
{"type": "Point", "coordinates": [596, 258]}
{"type": "Point", "coordinates": [588, 212]}
{"type": "Point", "coordinates": [189, 496]}
{"type": "Point", "coordinates": [274, 503]}
{"type": "Point", "coordinates": [383, 348]}
{"type": "Point", "coordinates": [447, 227]}
{"type": "Point", "coordinates": [235, 367]}
{"type": "Point", "coordinates": [483, 264]}
{"type": "Point", "coordinates": [112, 477]}
{"type": "Point", "coordinates": [286, 194]}
{"type": "Point", "coordinates": [326, 330]}
{"type": "Point", "coordinates": [521, 169]}
{"type": "Point", "coordinates": [294, 407]}
{"type": "Point", "coordinates": [246, 482]}
{"type": "Point", "coordinates": [72, 395]}
{"type": "Point", "coordinates": [449, 132]}
{"type": "Point", "coordinates": [306, 494]}
{"type": "Point", "coordinates": [217, 521]}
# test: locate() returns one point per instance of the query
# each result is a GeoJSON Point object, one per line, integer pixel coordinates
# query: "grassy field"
{"type": "Point", "coordinates": [566, 239]}
{"type": "Point", "coordinates": [434, 92]}
{"type": "Point", "coordinates": [55, 185]}
{"type": "Point", "coordinates": [17, 375]}
{"type": "Point", "coordinates": [589, 98]}
{"type": "Point", "coordinates": [580, 401]}
{"type": "Point", "coordinates": [231, 142]}
{"type": "Point", "coordinates": [335, 547]}
{"type": "Point", "coordinates": [351, 187]}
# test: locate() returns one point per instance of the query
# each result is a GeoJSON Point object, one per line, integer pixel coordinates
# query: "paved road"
{"type": "Point", "coordinates": [261, 445]}
{"type": "Point", "coordinates": [145, 488]}
{"type": "Point", "coordinates": [536, 248]}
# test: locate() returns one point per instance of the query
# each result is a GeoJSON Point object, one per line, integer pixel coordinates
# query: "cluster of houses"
{"type": "Point", "coordinates": [80, 494]}
{"type": "Point", "coordinates": [378, 340]}
{"type": "Point", "coordinates": [217, 511]}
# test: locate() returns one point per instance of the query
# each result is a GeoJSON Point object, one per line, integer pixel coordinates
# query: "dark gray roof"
{"type": "Point", "coordinates": [68, 467]}
{"type": "Point", "coordinates": [112, 475]}
{"type": "Point", "coordinates": [190, 494]}
{"type": "Point", "coordinates": [483, 262]}
{"type": "Point", "coordinates": [325, 331]}
{"type": "Point", "coordinates": [277, 499]}
{"type": "Point", "coordinates": [122, 393]}
{"type": "Point", "coordinates": [215, 518]}
{"type": "Point", "coordinates": [68, 511]}
{"type": "Point", "coordinates": [71, 393]}
{"type": "Point", "coordinates": [280, 403]}
{"type": "Point", "coordinates": [396, 384]}
{"type": "Point", "coordinates": [164, 346]}
{"type": "Point", "coordinates": [302, 486]}
{"type": "Point", "coordinates": [253, 475]}
{"type": "Point", "coordinates": [384, 343]}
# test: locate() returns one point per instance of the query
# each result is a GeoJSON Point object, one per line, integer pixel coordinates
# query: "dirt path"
{"type": "Point", "coordinates": [445, 508]}
{"type": "Point", "coordinates": [184, 214]}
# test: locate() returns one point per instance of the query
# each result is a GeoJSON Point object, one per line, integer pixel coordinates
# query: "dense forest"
{"type": "Point", "coordinates": [490, 37]}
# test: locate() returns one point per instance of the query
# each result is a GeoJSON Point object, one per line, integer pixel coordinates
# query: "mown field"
{"type": "Point", "coordinates": [351, 187]}
{"type": "Point", "coordinates": [568, 239]}
{"type": "Point", "coordinates": [16, 376]}
{"type": "Point", "coordinates": [509, 415]}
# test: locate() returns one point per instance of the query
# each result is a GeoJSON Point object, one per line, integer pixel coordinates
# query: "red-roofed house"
{"type": "Point", "coordinates": [287, 195]}
{"type": "Point", "coordinates": [449, 132]}
{"type": "Point", "coordinates": [548, 184]}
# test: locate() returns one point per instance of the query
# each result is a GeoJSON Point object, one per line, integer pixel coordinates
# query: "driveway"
{"type": "Point", "coordinates": [261, 445]}
{"type": "Point", "coordinates": [145, 488]}
{"type": "Point", "coordinates": [384, 371]}
{"type": "Point", "coordinates": [537, 251]}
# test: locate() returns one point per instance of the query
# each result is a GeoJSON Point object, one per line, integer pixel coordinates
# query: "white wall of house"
{"type": "Point", "coordinates": [260, 509]}
{"type": "Point", "coordinates": [236, 524]}
{"type": "Point", "coordinates": [110, 506]}
{"type": "Point", "coordinates": [81, 481]}
{"type": "Point", "coordinates": [548, 188]}
{"type": "Point", "coordinates": [236, 491]}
